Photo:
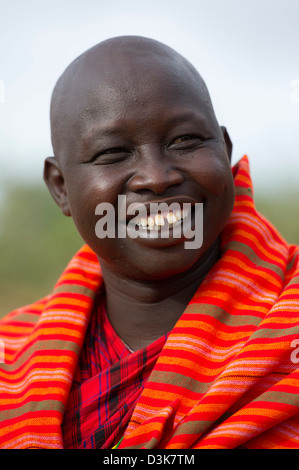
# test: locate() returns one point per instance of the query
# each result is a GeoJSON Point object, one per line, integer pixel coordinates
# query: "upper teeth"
{"type": "Point", "coordinates": [157, 221]}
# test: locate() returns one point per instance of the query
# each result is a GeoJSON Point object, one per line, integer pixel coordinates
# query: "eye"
{"type": "Point", "coordinates": [187, 141]}
{"type": "Point", "coordinates": [183, 138]}
{"type": "Point", "coordinates": [113, 150]}
{"type": "Point", "coordinates": [111, 155]}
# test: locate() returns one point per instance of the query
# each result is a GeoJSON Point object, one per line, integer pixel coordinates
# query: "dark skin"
{"type": "Point", "coordinates": [132, 117]}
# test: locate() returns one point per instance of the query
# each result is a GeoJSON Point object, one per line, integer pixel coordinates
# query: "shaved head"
{"type": "Point", "coordinates": [135, 62]}
{"type": "Point", "coordinates": [133, 117]}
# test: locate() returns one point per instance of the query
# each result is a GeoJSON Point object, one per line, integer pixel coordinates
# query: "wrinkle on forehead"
{"type": "Point", "coordinates": [132, 61]}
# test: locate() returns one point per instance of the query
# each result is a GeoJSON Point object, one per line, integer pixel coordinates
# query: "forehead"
{"type": "Point", "coordinates": [130, 89]}
{"type": "Point", "coordinates": [141, 96]}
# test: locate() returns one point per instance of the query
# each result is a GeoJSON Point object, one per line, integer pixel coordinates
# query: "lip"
{"type": "Point", "coordinates": [147, 206]}
{"type": "Point", "coordinates": [172, 235]}
{"type": "Point", "coordinates": [169, 235]}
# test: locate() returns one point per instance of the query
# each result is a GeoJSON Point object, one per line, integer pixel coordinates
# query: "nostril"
{"type": "Point", "coordinates": [155, 180]}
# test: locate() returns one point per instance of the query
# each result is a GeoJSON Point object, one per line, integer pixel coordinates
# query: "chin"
{"type": "Point", "coordinates": [159, 264]}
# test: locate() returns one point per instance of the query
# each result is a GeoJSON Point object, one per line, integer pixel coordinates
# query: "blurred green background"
{"type": "Point", "coordinates": [37, 241]}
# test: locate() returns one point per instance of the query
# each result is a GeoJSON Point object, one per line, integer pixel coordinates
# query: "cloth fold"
{"type": "Point", "coordinates": [108, 382]}
{"type": "Point", "coordinates": [226, 376]}
{"type": "Point", "coordinates": [228, 361]}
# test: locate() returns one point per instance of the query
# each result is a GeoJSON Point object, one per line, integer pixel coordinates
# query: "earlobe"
{"type": "Point", "coordinates": [54, 180]}
{"type": "Point", "coordinates": [228, 142]}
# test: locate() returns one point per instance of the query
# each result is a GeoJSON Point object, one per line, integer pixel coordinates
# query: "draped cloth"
{"type": "Point", "coordinates": [108, 381]}
{"type": "Point", "coordinates": [227, 375]}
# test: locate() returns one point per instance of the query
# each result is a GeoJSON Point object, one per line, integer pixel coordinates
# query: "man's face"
{"type": "Point", "coordinates": [152, 137]}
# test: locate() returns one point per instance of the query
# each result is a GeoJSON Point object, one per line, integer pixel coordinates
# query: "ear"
{"type": "Point", "coordinates": [228, 142]}
{"type": "Point", "coordinates": [55, 181]}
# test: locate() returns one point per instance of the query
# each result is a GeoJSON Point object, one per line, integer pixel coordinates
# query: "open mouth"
{"type": "Point", "coordinates": [162, 221]}
{"type": "Point", "coordinates": [169, 221]}
{"type": "Point", "coordinates": [165, 222]}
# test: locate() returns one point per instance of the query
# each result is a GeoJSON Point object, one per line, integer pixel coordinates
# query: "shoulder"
{"type": "Point", "coordinates": [16, 326]}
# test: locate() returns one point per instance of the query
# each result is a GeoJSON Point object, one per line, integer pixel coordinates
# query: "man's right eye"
{"type": "Point", "coordinates": [112, 151]}
{"type": "Point", "coordinates": [111, 155]}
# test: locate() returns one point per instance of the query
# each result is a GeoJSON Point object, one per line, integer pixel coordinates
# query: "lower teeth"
{"type": "Point", "coordinates": [159, 227]}
{"type": "Point", "coordinates": [162, 227]}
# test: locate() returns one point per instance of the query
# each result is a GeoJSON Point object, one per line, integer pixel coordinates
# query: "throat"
{"type": "Point", "coordinates": [142, 316]}
{"type": "Point", "coordinates": [139, 324]}
{"type": "Point", "coordinates": [142, 312]}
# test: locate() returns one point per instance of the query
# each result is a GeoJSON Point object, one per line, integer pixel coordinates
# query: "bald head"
{"type": "Point", "coordinates": [133, 117]}
{"type": "Point", "coordinates": [135, 62]}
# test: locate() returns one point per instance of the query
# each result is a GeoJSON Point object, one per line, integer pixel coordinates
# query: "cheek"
{"type": "Point", "coordinates": [216, 180]}
{"type": "Point", "coordinates": [220, 203]}
{"type": "Point", "coordinates": [213, 174]}
{"type": "Point", "coordinates": [86, 190]}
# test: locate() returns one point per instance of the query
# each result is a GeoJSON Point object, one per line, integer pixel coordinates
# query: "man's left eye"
{"type": "Point", "coordinates": [185, 139]}
{"type": "Point", "coordinates": [182, 139]}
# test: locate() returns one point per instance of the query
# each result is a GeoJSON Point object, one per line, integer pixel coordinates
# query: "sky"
{"type": "Point", "coordinates": [246, 51]}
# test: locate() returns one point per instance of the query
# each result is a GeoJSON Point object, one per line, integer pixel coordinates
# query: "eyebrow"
{"type": "Point", "coordinates": [185, 116]}
{"type": "Point", "coordinates": [94, 131]}
{"type": "Point", "coordinates": [108, 131]}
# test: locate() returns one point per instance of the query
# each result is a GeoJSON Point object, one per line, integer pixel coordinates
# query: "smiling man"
{"type": "Point", "coordinates": [151, 136]}
{"type": "Point", "coordinates": [145, 339]}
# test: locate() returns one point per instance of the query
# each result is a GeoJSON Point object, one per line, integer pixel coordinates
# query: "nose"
{"type": "Point", "coordinates": [154, 172]}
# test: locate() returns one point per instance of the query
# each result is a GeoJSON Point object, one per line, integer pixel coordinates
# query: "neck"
{"type": "Point", "coordinates": [142, 312]}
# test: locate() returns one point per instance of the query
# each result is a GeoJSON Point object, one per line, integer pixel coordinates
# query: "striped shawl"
{"type": "Point", "coordinates": [227, 376]}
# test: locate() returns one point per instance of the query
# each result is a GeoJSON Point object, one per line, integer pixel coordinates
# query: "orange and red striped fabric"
{"type": "Point", "coordinates": [227, 376]}
{"type": "Point", "coordinates": [42, 343]}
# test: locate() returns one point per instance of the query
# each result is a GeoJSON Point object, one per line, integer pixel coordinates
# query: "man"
{"type": "Point", "coordinates": [147, 342]}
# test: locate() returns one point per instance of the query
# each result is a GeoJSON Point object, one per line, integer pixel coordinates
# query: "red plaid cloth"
{"type": "Point", "coordinates": [108, 381]}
